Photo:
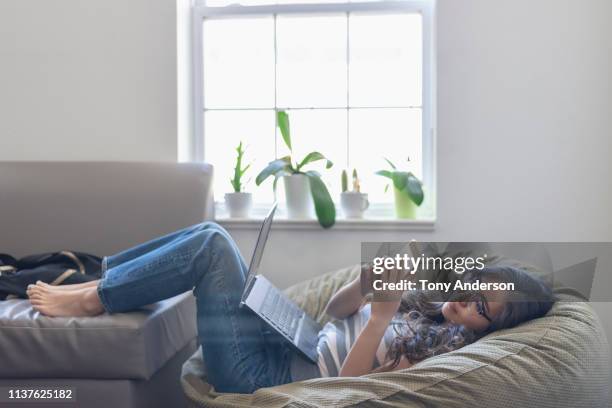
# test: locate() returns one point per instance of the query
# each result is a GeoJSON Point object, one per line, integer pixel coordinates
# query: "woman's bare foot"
{"type": "Point", "coordinates": [71, 286]}
{"type": "Point", "coordinates": [65, 303]}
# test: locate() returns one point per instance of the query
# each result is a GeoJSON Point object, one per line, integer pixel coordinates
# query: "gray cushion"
{"type": "Point", "coordinates": [119, 346]}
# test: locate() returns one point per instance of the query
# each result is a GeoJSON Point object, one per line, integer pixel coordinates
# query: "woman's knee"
{"type": "Point", "coordinates": [216, 253]}
{"type": "Point", "coordinates": [211, 227]}
{"type": "Point", "coordinates": [207, 225]}
{"type": "Point", "coordinates": [211, 234]}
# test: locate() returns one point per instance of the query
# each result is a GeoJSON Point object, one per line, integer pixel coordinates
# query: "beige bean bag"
{"type": "Point", "coordinates": [558, 361]}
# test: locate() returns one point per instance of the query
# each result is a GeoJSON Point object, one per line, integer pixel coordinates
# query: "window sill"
{"type": "Point", "coordinates": [342, 224]}
{"type": "Point", "coordinates": [380, 217]}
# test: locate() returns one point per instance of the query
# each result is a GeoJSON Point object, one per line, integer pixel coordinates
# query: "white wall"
{"type": "Point", "coordinates": [88, 80]}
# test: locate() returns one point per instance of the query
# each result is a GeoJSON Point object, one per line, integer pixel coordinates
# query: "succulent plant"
{"type": "Point", "coordinates": [344, 181]}
{"type": "Point", "coordinates": [356, 183]}
{"type": "Point", "coordinates": [239, 171]}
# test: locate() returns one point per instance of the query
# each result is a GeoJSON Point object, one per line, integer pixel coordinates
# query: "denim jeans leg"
{"type": "Point", "coordinates": [111, 261]}
{"type": "Point", "coordinates": [239, 355]}
{"type": "Point", "coordinates": [239, 352]}
{"type": "Point", "coordinates": [155, 270]}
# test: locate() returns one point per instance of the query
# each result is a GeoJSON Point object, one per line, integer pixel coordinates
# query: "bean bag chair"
{"type": "Point", "coordinates": [559, 361]}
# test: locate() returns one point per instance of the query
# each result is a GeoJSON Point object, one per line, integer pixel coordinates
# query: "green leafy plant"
{"type": "Point", "coordinates": [286, 166]}
{"type": "Point", "coordinates": [405, 182]}
{"type": "Point", "coordinates": [239, 171]}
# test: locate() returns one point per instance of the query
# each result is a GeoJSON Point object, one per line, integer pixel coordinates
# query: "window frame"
{"type": "Point", "coordinates": [382, 211]}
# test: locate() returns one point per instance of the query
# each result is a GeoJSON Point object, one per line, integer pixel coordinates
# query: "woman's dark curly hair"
{"type": "Point", "coordinates": [423, 331]}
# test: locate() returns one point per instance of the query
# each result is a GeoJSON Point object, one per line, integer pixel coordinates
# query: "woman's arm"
{"type": "Point", "coordinates": [346, 301]}
{"type": "Point", "coordinates": [360, 358]}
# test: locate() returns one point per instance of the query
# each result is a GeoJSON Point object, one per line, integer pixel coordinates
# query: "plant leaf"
{"type": "Point", "coordinates": [245, 169]}
{"type": "Point", "coordinates": [312, 157]}
{"type": "Point", "coordinates": [414, 189]}
{"type": "Point", "coordinates": [234, 185]}
{"type": "Point", "coordinates": [238, 172]}
{"type": "Point", "coordinates": [390, 164]}
{"type": "Point", "coordinates": [272, 168]}
{"type": "Point", "coordinates": [324, 205]}
{"type": "Point", "coordinates": [283, 124]}
{"type": "Point", "coordinates": [400, 179]}
{"type": "Point", "coordinates": [385, 173]}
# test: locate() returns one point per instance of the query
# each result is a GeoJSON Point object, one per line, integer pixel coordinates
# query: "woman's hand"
{"type": "Point", "coordinates": [366, 278]}
{"type": "Point", "coordinates": [387, 301]}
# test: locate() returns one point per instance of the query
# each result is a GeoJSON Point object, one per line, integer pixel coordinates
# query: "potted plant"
{"type": "Point", "coordinates": [354, 202]}
{"type": "Point", "coordinates": [407, 189]}
{"type": "Point", "coordinates": [238, 203]}
{"type": "Point", "coordinates": [303, 189]}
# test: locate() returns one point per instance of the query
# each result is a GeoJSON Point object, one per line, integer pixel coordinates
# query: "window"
{"type": "Point", "coordinates": [353, 77]}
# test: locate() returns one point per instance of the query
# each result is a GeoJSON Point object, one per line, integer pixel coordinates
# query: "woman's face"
{"type": "Point", "coordinates": [473, 314]}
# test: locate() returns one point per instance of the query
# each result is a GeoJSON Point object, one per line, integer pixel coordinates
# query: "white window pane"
{"type": "Point", "coordinates": [312, 66]}
{"type": "Point", "coordinates": [378, 133]}
{"type": "Point", "coordinates": [385, 60]}
{"type": "Point", "coordinates": [223, 131]}
{"type": "Point", "coordinates": [239, 62]}
{"type": "Point", "coordinates": [322, 130]}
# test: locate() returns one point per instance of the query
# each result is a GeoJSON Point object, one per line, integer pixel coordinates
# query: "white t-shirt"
{"type": "Point", "coordinates": [338, 336]}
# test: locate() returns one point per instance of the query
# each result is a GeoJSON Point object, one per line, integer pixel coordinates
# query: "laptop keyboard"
{"type": "Point", "coordinates": [281, 313]}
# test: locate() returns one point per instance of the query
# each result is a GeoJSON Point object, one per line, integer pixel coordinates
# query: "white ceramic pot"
{"type": "Point", "coordinates": [354, 204]}
{"type": "Point", "coordinates": [238, 204]}
{"type": "Point", "coordinates": [299, 200]}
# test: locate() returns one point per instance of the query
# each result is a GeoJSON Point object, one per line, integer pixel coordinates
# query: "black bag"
{"type": "Point", "coordinates": [56, 268]}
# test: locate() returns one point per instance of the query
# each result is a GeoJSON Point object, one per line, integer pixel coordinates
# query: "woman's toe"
{"type": "Point", "coordinates": [39, 308]}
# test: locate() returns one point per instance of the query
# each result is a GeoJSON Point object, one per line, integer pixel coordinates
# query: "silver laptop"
{"type": "Point", "coordinates": [271, 305]}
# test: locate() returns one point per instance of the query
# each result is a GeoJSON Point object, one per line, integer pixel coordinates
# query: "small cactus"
{"type": "Point", "coordinates": [356, 185]}
{"type": "Point", "coordinates": [344, 179]}
{"type": "Point", "coordinates": [237, 183]}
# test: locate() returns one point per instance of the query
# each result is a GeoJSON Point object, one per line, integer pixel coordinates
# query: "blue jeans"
{"type": "Point", "coordinates": [240, 353]}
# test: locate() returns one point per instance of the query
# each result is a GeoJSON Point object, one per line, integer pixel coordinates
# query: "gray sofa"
{"type": "Point", "coordinates": [123, 360]}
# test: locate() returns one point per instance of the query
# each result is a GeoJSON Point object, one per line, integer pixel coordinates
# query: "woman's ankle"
{"type": "Point", "coordinates": [91, 301]}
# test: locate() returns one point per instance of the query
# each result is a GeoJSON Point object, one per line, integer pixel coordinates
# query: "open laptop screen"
{"type": "Point", "coordinates": [260, 245]}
